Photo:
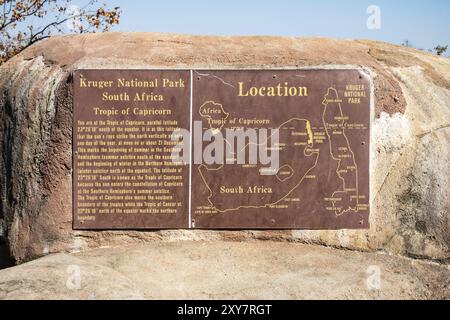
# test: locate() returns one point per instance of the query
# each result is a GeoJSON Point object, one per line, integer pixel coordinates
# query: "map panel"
{"type": "Point", "coordinates": [322, 178]}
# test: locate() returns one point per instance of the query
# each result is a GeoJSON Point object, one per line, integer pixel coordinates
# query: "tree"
{"type": "Point", "coordinates": [406, 43]}
{"type": "Point", "coordinates": [24, 22]}
{"type": "Point", "coordinates": [440, 50]}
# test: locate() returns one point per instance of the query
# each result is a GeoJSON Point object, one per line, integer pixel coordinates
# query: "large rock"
{"type": "Point", "coordinates": [410, 167]}
{"type": "Point", "coordinates": [225, 270]}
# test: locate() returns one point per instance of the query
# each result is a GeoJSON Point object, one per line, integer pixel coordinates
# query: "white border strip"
{"type": "Point", "coordinates": [190, 151]}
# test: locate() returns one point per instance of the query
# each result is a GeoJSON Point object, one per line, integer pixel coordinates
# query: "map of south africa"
{"type": "Point", "coordinates": [298, 157]}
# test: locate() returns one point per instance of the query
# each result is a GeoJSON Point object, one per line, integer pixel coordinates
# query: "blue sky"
{"type": "Point", "coordinates": [424, 23]}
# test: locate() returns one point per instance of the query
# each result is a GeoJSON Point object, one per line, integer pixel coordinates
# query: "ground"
{"type": "Point", "coordinates": [225, 270]}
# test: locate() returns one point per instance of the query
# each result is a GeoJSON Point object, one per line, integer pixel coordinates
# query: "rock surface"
{"type": "Point", "coordinates": [225, 270]}
{"type": "Point", "coordinates": [410, 156]}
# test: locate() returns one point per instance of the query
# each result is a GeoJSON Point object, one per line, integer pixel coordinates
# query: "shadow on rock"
{"type": "Point", "coordinates": [6, 260]}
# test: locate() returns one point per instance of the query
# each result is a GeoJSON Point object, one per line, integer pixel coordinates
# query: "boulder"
{"type": "Point", "coordinates": [225, 270]}
{"type": "Point", "coordinates": [410, 149]}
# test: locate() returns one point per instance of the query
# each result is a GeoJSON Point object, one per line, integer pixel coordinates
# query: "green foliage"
{"type": "Point", "coordinates": [440, 50]}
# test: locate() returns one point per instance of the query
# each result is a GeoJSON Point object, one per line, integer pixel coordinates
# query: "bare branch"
{"type": "Point", "coordinates": [17, 31]}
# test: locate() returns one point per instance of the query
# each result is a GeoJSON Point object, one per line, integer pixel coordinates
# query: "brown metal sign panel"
{"type": "Point", "coordinates": [265, 149]}
{"type": "Point", "coordinates": [123, 174]}
{"type": "Point", "coordinates": [322, 178]}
